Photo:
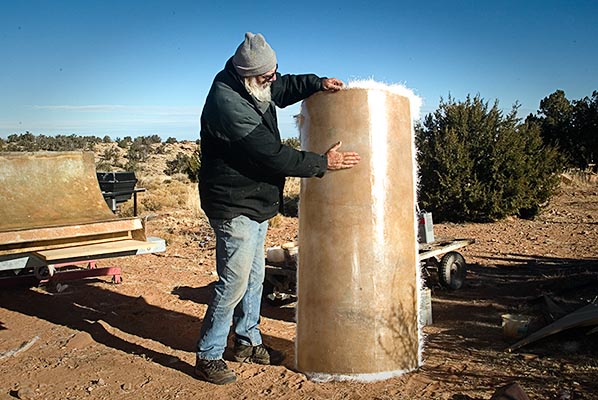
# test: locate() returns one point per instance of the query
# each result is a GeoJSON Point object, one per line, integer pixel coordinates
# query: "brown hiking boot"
{"type": "Point", "coordinates": [214, 371]}
{"type": "Point", "coordinates": [260, 354]}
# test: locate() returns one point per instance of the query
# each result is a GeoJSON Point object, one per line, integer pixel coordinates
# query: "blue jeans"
{"type": "Point", "coordinates": [237, 296]}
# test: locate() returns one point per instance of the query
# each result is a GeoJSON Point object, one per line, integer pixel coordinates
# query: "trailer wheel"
{"type": "Point", "coordinates": [44, 272]}
{"type": "Point", "coordinates": [452, 270]}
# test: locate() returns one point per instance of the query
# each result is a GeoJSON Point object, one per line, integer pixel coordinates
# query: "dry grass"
{"type": "Point", "coordinates": [174, 193]}
{"type": "Point", "coordinates": [166, 194]}
{"type": "Point", "coordinates": [193, 203]}
{"type": "Point", "coordinates": [292, 187]}
{"type": "Point", "coordinates": [577, 177]}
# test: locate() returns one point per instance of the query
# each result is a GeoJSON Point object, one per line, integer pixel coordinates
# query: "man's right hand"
{"type": "Point", "coordinates": [341, 160]}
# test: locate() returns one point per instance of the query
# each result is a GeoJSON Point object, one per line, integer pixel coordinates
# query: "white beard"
{"type": "Point", "coordinates": [261, 92]}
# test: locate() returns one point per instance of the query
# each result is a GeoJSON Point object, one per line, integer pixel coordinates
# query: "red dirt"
{"type": "Point", "coordinates": [98, 340]}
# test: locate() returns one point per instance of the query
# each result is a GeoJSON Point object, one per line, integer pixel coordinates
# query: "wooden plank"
{"type": "Point", "coordinates": [18, 248]}
{"type": "Point", "coordinates": [96, 249]}
{"type": "Point", "coordinates": [69, 231]}
{"type": "Point", "coordinates": [443, 249]}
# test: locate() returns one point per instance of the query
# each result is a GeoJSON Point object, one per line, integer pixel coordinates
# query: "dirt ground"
{"type": "Point", "coordinates": [97, 340]}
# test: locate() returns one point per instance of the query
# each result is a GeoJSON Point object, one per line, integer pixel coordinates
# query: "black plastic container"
{"type": "Point", "coordinates": [117, 187]}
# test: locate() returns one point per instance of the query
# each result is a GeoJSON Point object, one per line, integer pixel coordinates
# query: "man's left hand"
{"type": "Point", "coordinates": [332, 84]}
{"type": "Point", "coordinates": [341, 159]}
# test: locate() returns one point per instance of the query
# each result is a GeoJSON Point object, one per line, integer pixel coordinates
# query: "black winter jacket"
{"type": "Point", "coordinates": [243, 163]}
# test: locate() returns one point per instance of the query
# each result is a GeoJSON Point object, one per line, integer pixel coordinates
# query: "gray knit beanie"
{"type": "Point", "coordinates": [254, 56]}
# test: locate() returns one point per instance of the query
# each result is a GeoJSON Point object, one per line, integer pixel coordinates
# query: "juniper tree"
{"type": "Point", "coordinates": [478, 164]}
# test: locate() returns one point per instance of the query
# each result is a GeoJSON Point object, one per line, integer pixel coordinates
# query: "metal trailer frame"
{"type": "Point", "coordinates": [440, 257]}
{"type": "Point", "coordinates": [70, 263]}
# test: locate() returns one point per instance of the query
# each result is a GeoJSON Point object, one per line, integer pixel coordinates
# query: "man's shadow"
{"type": "Point", "coordinates": [281, 311]}
{"type": "Point", "coordinates": [89, 308]}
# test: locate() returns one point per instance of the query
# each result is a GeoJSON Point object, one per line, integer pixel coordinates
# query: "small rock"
{"type": "Point", "coordinates": [25, 393]}
{"type": "Point", "coordinates": [171, 360]}
{"type": "Point", "coordinates": [126, 386]}
{"type": "Point", "coordinates": [79, 340]}
{"type": "Point", "coordinates": [565, 395]}
{"type": "Point", "coordinates": [61, 287]}
{"type": "Point", "coordinates": [529, 357]}
{"type": "Point", "coordinates": [571, 346]}
{"type": "Point", "coordinates": [99, 382]}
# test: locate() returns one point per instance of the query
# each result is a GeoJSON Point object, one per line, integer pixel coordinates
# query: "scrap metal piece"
{"type": "Point", "coordinates": [585, 316]}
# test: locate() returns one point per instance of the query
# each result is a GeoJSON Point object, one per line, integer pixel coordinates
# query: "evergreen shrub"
{"type": "Point", "coordinates": [478, 164]}
{"type": "Point", "coordinates": [185, 164]}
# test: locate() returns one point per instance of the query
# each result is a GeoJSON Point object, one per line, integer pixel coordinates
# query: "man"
{"type": "Point", "coordinates": [243, 170]}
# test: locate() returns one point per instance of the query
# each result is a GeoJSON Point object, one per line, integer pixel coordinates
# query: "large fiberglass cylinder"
{"type": "Point", "coordinates": [358, 275]}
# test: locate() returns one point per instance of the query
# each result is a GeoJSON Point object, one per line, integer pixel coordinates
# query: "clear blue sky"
{"type": "Point", "coordinates": [131, 68]}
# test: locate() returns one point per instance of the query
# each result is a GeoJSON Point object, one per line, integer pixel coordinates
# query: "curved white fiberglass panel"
{"type": "Point", "coordinates": [358, 275]}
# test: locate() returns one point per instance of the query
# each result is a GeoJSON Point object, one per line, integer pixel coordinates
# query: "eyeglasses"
{"type": "Point", "coordinates": [269, 77]}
